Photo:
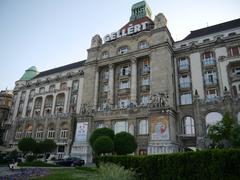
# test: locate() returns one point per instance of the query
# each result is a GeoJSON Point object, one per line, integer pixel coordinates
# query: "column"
{"type": "Point", "coordinates": [96, 88]}
{"type": "Point", "coordinates": [42, 107]}
{"type": "Point", "coordinates": [33, 104]}
{"type": "Point", "coordinates": [111, 85]}
{"type": "Point", "coordinates": [25, 103]}
{"type": "Point", "coordinates": [66, 100]}
{"type": "Point", "coordinates": [53, 104]}
{"type": "Point", "coordinates": [134, 81]}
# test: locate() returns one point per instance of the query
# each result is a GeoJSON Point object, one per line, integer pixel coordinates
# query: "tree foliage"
{"type": "Point", "coordinates": [103, 144]}
{"type": "Point", "coordinates": [47, 146]}
{"type": "Point", "coordinates": [27, 145]}
{"type": "Point", "coordinates": [225, 133]}
{"type": "Point", "coordinates": [124, 143]}
{"type": "Point", "coordinates": [99, 133]}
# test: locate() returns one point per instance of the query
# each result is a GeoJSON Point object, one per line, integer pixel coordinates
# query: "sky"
{"type": "Point", "coordinates": [52, 33]}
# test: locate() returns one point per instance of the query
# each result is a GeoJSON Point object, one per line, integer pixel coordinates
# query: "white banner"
{"type": "Point", "coordinates": [81, 132]}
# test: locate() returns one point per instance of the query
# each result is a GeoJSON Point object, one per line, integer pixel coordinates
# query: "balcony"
{"type": "Point", "coordinates": [48, 105]}
{"type": "Point", "coordinates": [209, 82]}
{"type": "Point", "coordinates": [184, 68]}
{"type": "Point", "coordinates": [185, 85]}
{"type": "Point", "coordinates": [124, 91]}
{"type": "Point", "coordinates": [210, 62]}
{"type": "Point", "coordinates": [145, 70]}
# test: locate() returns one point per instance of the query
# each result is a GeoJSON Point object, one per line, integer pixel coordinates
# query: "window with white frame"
{"type": "Point", "coordinates": [144, 99]}
{"type": "Point", "coordinates": [18, 135]}
{"type": "Point", "coordinates": [146, 65]}
{"type": "Point", "coordinates": [183, 63]}
{"type": "Point", "coordinates": [51, 134]}
{"type": "Point", "coordinates": [120, 126]}
{"type": "Point", "coordinates": [143, 127]}
{"type": "Point", "coordinates": [186, 98]}
{"type": "Point", "coordinates": [39, 134]}
{"type": "Point", "coordinates": [210, 77]}
{"type": "Point", "coordinates": [124, 102]}
{"type": "Point", "coordinates": [105, 54]}
{"type": "Point", "coordinates": [233, 51]}
{"type": "Point", "coordinates": [208, 58]}
{"type": "Point", "coordinates": [52, 88]}
{"type": "Point", "coordinates": [64, 134]}
{"type": "Point", "coordinates": [212, 118]}
{"type": "Point", "coordinates": [75, 85]}
{"type": "Point", "coordinates": [125, 70]}
{"type": "Point", "coordinates": [211, 94]}
{"type": "Point", "coordinates": [74, 99]}
{"type": "Point", "coordinates": [145, 81]}
{"type": "Point", "coordinates": [123, 50]}
{"type": "Point", "coordinates": [105, 88]}
{"type": "Point", "coordinates": [28, 134]}
{"type": "Point", "coordinates": [188, 125]}
{"type": "Point", "coordinates": [184, 81]}
{"type": "Point", "coordinates": [124, 84]}
{"type": "Point", "coordinates": [143, 45]}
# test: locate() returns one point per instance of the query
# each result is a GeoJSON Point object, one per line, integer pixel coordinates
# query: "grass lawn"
{"type": "Point", "coordinates": [79, 173]}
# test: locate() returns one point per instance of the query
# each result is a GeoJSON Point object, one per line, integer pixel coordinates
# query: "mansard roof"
{"type": "Point", "coordinates": [60, 69]}
{"type": "Point", "coordinates": [214, 29]}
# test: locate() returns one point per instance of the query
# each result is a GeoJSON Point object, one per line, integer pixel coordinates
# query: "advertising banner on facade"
{"type": "Point", "coordinates": [81, 132]}
{"type": "Point", "coordinates": [159, 127]}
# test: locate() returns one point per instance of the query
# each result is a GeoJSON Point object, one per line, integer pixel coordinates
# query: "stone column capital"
{"type": "Point", "coordinates": [111, 66]}
{"type": "Point", "coordinates": [133, 60]}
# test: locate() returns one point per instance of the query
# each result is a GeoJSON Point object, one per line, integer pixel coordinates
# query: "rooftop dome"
{"type": "Point", "coordinates": [29, 74]}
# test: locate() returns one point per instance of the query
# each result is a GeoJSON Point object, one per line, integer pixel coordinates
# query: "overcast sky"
{"type": "Point", "coordinates": [52, 33]}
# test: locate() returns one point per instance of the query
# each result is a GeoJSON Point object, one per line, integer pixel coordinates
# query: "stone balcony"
{"type": "Point", "coordinates": [124, 91]}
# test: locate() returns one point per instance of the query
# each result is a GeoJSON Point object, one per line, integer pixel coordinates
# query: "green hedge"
{"type": "Point", "coordinates": [37, 164]}
{"type": "Point", "coordinates": [211, 164]}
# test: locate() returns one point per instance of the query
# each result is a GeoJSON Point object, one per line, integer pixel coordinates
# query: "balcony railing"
{"type": "Point", "coordinates": [184, 85]}
{"type": "Point", "coordinates": [209, 62]}
{"type": "Point", "coordinates": [184, 67]}
{"type": "Point", "coordinates": [210, 82]}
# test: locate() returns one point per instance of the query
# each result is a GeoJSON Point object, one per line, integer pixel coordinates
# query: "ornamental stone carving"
{"type": "Point", "coordinates": [160, 21]}
{"type": "Point", "coordinates": [96, 41]}
{"type": "Point", "coordinates": [158, 100]}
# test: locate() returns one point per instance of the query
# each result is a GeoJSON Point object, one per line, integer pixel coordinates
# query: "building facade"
{"type": "Point", "coordinates": [137, 80]}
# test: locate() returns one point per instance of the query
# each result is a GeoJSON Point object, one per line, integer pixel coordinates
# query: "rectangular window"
{"type": "Point", "coordinates": [236, 71]}
{"type": "Point", "coordinates": [146, 65]}
{"type": "Point", "coordinates": [211, 94]}
{"type": "Point", "coordinates": [210, 77]}
{"type": "Point", "coordinates": [28, 134]}
{"type": "Point", "coordinates": [124, 103]}
{"type": "Point", "coordinates": [143, 127]}
{"type": "Point", "coordinates": [121, 126]}
{"type": "Point", "coordinates": [39, 134]}
{"type": "Point", "coordinates": [144, 99]}
{"type": "Point", "coordinates": [145, 81]}
{"type": "Point", "coordinates": [75, 85]}
{"type": "Point", "coordinates": [186, 98]}
{"type": "Point", "coordinates": [233, 51]}
{"type": "Point", "coordinates": [51, 134]}
{"type": "Point", "coordinates": [124, 84]}
{"type": "Point", "coordinates": [105, 88]}
{"type": "Point", "coordinates": [105, 74]}
{"type": "Point", "coordinates": [122, 50]}
{"type": "Point", "coordinates": [125, 70]}
{"type": "Point", "coordinates": [63, 134]}
{"type": "Point", "coordinates": [18, 135]}
{"type": "Point", "coordinates": [183, 64]}
{"type": "Point", "coordinates": [184, 81]}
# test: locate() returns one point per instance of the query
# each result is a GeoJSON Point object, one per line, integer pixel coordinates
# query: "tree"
{"type": "Point", "coordinates": [38, 148]}
{"type": "Point", "coordinates": [99, 133]}
{"type": "Point", "coordinates": [26, 145]}
{"type": "Point", "coordinates": [221, 132]}
{"type": "Point", "coordinates": [48, 146]}
{"type": "Point", "coordinates": [235, 138]}
{"type": "Point", "coordinates": [124, 143]}
{"type": "Point", "coordinates": [103, 144]}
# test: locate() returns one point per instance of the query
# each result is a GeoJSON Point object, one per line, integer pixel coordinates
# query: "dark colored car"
{"type": "Point", "coordinates": [71, 161]}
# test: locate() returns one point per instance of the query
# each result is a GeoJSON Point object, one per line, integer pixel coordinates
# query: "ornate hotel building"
{"type": "Point", "coordinates": [137, 80]}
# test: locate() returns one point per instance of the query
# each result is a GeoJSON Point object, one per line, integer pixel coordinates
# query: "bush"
{"type": "Point", "coordinates": [211, 164]}
{"type": "Point", "coordinates": [100, 132]}
{"type": "Point", "coordinates": [124, 143]}
{"type": "Point", "coordinates": [30, 158]}
{"type": "Point", "coordinates": [113, 172]}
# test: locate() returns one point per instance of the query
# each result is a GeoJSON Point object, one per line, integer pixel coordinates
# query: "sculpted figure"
{"type": "Point", "coordinates": [96, 41]}
{"type": "Point", "coordinates": [160, 21]}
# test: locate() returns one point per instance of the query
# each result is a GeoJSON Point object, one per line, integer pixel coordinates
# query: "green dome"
{"type": "Point", "coordinates": [29, 74]}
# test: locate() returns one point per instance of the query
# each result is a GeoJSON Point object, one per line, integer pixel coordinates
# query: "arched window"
{"type": "Point", "coordinates": [105, 54]}
{"type": "Point", "coordinates": [212, 118]}
{"type": "Point", "coordinates": [143, 127]}
{"type": "Point", "coordinates": [188, 125]}
{"type": "Point", "coordinates": [39, 131]}
{"type": "Point", "coordinates": [123, 50]}
{"type": "Point", "coordinates": [143, 45]}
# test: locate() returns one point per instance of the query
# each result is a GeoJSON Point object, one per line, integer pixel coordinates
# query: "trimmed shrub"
{"type": "Point", "coordinates": [103, 145]}
{"type": "Point", "coordinates": [100, 132]}
{"type": "Point", "coordinates": [211, 164]}
{"type": "Point", "coordinates": [36, 164]}
{"type": "Point", "coordinates": [124, 143]}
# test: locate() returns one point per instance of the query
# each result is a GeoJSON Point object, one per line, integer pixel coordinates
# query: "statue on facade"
{"type": "Point", "coordinates": [160, 21]}
{"type": "Point", "coordinates": [96, 41]}
{"type": "Point", "coordinates": [158, 100]}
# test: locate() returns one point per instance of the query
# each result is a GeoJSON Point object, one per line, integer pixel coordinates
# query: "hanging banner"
{"type": "Point", "coordinates": [159, 127]}
{"type": "Point", "coordinates": [81, 132]}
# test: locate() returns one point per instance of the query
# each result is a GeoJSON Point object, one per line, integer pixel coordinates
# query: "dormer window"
{"type": "Point", "coordinates": [232, 34]}
{"type": "Point", "coordinates": [143, 45]}
{"type": "Point", "coordinates": [123, 50]}
{"type": "Point", "coordinates": [105, 54]}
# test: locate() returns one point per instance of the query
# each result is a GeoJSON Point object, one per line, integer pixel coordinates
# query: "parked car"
{"type": "Point", "coordinates": [71, 161]}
